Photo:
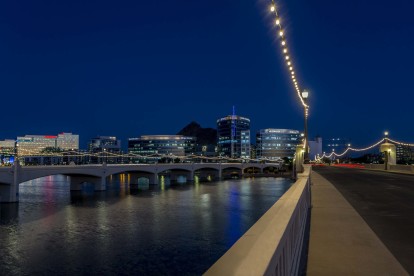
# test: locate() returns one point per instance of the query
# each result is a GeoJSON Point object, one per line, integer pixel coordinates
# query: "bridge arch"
{"type": "Point", "coordinates": [271, 168]}
{"type": "Point", "coordinates": [232, 172]}
{"type": "Point", "coordinates": [137, 178]}
{"type": "Point", "coordinates": [207, 174]}
{"type": "Point", "coordinates": [252, 169]}
{"type": "Point", "coordinates": [35, 174]}
{"type": "Point", "coordinates": [177, 174]}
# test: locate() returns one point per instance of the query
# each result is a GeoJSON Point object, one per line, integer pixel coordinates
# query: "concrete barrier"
{"type": "Point", "coordinates": [375, 166]}
{"type": "Point", "coordinates": [403, 168]}
{"type": "Point", "coordinates": [273, 245]}
{"type": "Point", "coordinates": [398, 168]}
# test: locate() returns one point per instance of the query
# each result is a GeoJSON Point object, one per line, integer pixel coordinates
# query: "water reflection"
{"type": "Point", "coordinates": [9, 213]}
{"type": "Point", "coordinates": [164, 229]}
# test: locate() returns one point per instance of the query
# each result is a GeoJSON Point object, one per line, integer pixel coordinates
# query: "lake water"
{"type": "Point", "coordinates": [165, 230]}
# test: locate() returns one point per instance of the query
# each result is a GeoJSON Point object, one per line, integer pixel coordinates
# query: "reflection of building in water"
{"type": "Point", "coordinates": [174, 145]}
{"type": "Point", "coordinates": [276, 143]}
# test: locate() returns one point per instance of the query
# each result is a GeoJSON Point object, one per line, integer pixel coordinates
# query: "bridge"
{"type": "Point", "coordinates": [362, 221]}
{"type": "Point", "coordinates": [358, 221]}
{"type": "Point", "coordinates": [11, 177]}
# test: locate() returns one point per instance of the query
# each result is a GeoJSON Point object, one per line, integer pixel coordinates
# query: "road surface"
{"type": "Point", "coordinates": [385, 201]}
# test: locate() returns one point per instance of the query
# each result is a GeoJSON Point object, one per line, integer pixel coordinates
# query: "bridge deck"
{"type": "Point", "coordinates": [341, 241]}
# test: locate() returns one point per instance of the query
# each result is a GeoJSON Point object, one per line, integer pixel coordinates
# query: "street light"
{"type": "Point", "coordinates": [305, 95]}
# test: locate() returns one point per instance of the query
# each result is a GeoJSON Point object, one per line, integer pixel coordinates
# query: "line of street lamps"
{"type": "Point", "coordinates": [305, 95]}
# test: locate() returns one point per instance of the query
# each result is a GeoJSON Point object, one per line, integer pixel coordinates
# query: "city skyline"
{"type": "Point", "coordinates": [151, 68]}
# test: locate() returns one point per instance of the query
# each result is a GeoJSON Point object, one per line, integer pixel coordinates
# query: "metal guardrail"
{"type": "Point", "coordinates": [273, 245]}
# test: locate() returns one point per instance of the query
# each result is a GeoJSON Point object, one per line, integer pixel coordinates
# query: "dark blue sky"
{"type": "Point", "coordinates": [128, 68]}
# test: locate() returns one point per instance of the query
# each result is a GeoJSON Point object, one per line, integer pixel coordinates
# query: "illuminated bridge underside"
{"type": "Point", "coordinates": [11, 177]}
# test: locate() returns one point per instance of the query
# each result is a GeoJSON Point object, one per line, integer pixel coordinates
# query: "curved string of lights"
{"type": "Point", "coordinates": [285, 52]}
{"type": "Point", "coordinates": [400, 143]}
{"type": "Point", "coordinates": [109, 155]}
{"type": "Point", "coordinates": [353, 149]}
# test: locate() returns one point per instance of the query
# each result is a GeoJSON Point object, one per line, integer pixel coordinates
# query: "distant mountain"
{"type": "Point", "coordinates": [205, 136]}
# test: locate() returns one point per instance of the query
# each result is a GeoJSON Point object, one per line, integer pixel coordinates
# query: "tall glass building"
{"type": "Point", "coordinates": [233, 134]}
{"type": "Point", "coordinates": [175, 145]}
{"type": "Point", "coordinates": [275, 143]}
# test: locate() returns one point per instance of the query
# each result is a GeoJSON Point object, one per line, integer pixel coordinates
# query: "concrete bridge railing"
{"type": "Point", "coordinates": [273, 245]}
{"type": "Point", "coordinates": [400, 168]}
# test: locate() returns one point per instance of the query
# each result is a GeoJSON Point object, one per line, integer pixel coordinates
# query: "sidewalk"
{"type": "Point", "coordinates": [341, 243]}
{"type": "Point", "coordinates": [379, 169]}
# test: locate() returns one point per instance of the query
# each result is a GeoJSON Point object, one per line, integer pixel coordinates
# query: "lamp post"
{"type": "Point", "coordinates": [386, 152]}
{"type": "Point", "coordinates": [305, 95]}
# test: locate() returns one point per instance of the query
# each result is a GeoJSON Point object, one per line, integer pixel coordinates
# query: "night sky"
{"type": "Point", "coordinates": [127, 68]}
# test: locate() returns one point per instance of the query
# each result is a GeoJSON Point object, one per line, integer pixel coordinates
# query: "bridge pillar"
{"type": "Point", "coordinates": [153, 179]}
{"type": "Point", "coordinates": [100, 185]}
{"type": "Point", "coordinates": [390, 154]}
{"type": "Point", "coordinates": [9, 193]}
{"type": "Point", "coordinates": [190, 178]}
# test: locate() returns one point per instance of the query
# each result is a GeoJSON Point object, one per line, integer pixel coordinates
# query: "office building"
{"type": "Point", "coordinates": [105, 143]}
{"type": "Point", "coordinates": [405, 154]}
{"type": "Point", "coordinates": [156, 145]}
{"type": "Point", "coordinates": [37, 144]}
{"type": "Point", "coordinates": [105, 149]}
{"type": "Point", "coordinates": [276, 144]}
{"type": "Point", "coordinates": [233, 133]}
{"type": "Point", "coordinates": [7, 152]}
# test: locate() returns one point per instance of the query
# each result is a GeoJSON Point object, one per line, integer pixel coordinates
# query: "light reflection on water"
{"type": "Point", "coordinates": [180, 229]}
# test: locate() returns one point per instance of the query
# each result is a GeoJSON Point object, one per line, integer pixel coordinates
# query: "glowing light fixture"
{"type": "Point", "coordinates": [305, 94]}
